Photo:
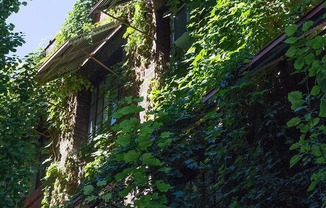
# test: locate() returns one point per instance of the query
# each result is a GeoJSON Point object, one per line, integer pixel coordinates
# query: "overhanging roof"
{"type": "Point", "coordinates": [105, 4]}
{"type": "Point", "coordinates": [76, 52]}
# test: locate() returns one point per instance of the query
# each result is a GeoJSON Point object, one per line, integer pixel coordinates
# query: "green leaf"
{"type": "Point", "coordinates": [127, 126]}
{"type": "Point", "coordinates": [161, 186]}
{"type": "Point", "coordinates": [129, 98]}
{"type": "Point", "coordinates": [148, 159]}
{"type": "Point", "coordinates": [128, 110]}
{"type": "Point", "coordinates": [323, 147]}
{"type": "Point", "coordinates": [291, 40]}
{"type": "Point", "coordinates": [101, 183]}
{"type": "Point", "coordinates": [125, 191]}
{"type": "Point", "coordinates": [165, 143]}
{"type": "Point", "coordinates": [296, 100]}
{"type": "Point", "coordinates": [165, 135]}
{"type": "Point", "coordinates": [144, 139]}
{"type": "Point", "coordinates": [139, 99]}
{"type": "Point", "coordinates": [307, 25]}
{"type": "Point", "coordinates": [119, 176]}
{"type": "Point", "coordinates": [315, 90]}
{"type": "Point", "coordinates": [117, 115]}
{"type": "Point", "coordinates": [324, 59]}
{"type": "Point", "coordinates": [315, 68]}
{"type": "Point", "coordinates": [90, 198]}
{"type": "Point", "coordinates": [87, 190]}
{"type": "Point", "coordinates": [322, 84]}
{"type": "Point", "coordinates": [295, 146]}
{"type": "Point", "coordinates": [200, 55]}
{"type": "Point", "coordinates": [294, 160]}
{"type": "Point", "coordinates": [144, 143]}
{"type": "Point", "coordinates": [322, 109]}
{"type": "Point", "coordinates": [309, 59]}
{"type": "Point", "coordinates": [297, 104]}
{"type": "Point", "coordinates": [131, 156]}
{"type": "Point", "coordinates": [312, 185]}
{"type": "Point", "coordinates": [291, 29]}
{"type": "Point", "coordinates": [318, 42]}
{"type": "Point", "coordinates": [126, 172]}
{"type": "Point", "coordinates": [123, 140]}
{"type": "Point", "coordinates": [315, 122]}
{"type": "Point", "coordinates": [320, 160]}
{"type": "Point", "coordinates": [165, 169]}
{"type": "Point", "coordinates": [146, 130]}
{"type": "Point", "coordinates": [140, 178]}
{"type": "Point", "coordinates": [293, 122]}
{"type": "Point", "coordinates": [107, 196]}
{"type": "Point", "coordinates": [291, 51]}
{"type": "Point", "coordinates": [315, 150]}
{"type": "Point", "coordinates": [294, 96]}
{"type": "Point", "coordinates": [299, 63]}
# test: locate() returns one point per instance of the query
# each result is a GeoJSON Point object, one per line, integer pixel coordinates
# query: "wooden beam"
{"type": "Point", "coordinates": [97, 61]}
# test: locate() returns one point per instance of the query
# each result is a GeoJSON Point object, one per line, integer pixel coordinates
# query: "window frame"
{"type": "Point", "coordinates": [183, 6]}
{"type": "Point", "coordinates": [102, 106]}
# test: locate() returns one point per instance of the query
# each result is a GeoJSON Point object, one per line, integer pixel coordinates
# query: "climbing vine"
{"type": "Point", "coordinates": [21, 107]}
{"type": "Point", "coordinates": [138, 45]}
{"type": "Point", "coordinates": [61, 95]}
{"type": "Point", "coordinates": [238, 150]}
{"type": "Point", "coordinates": [309, 104]}
{"type": "Point", "coordinates": [132, 156]}
{"type": "Point", "coordinates": [20, 110]}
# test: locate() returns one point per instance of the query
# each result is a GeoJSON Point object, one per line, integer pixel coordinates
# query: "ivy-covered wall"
{"type": "Point", "coordinates": [168, 149]}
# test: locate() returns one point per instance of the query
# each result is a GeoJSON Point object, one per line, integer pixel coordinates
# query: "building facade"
{"type": "Point", "coordinates": [123, 58]}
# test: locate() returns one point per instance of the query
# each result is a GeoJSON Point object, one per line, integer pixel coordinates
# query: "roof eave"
{"type": "Point", "coordinates": [47, 70]}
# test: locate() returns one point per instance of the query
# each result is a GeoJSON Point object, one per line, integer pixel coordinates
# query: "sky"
{"type": "Point", "coordinates": [40, 20]}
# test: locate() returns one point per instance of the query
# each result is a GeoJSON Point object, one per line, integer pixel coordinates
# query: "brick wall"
{"type": "Point", "coordinates": [160, 52]}
{"type": "Point", "coordinates": [82, 118]}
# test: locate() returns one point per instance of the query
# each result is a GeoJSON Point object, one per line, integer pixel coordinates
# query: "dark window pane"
{"type": "Point", "coordinates": [100, 99]}
{"type": "Point", "coordinates": [103, 105]}
{"type": "Point", "coordinates": [99, 121]}
{"type": "Point", "coordinates": [106, 114]}
{"type": "Point", "coordinates": [94, 97]}
{"type": "Point", "coordinates": [91, 126]}
{"type": "Point", "coordinates": [180, 23]}
{"type": "Point", "coordinates": [114, 109]}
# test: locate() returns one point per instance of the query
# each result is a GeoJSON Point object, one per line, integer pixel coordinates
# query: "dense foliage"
{"type": "Point", "coordinates": [309, 104]}
{"type": "Point", "coordinates": [243, 146]}
{"type": "Point", "coordinates": [19, 114]}
{"type": "Point", "coordinates": [237, 156]}
{"type": "Point", "coordinates": [238, 150]}
{"type": "Point", "coordinates": [60, 182]}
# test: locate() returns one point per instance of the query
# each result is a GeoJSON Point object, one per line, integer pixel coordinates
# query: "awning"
{"type": "Point", "coordinates": [105, 4]}
{"type": "Point", "coordinates": [76, 52]}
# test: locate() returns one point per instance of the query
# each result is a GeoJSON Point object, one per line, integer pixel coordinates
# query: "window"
{"type": "Point", "coordinates": [103, 105]}
{"type": "Point", "coordinates": [180, 33]}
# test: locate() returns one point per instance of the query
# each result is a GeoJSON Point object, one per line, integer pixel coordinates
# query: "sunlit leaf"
{"type": "Point", "coordinates": [291, 29]}
{"type": "Point", "coordinates": [161, 186]}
